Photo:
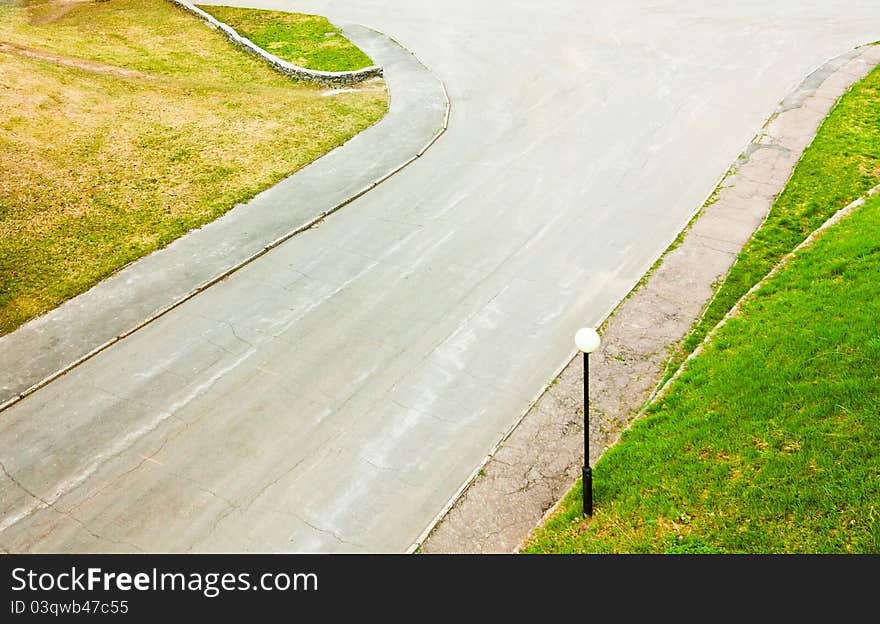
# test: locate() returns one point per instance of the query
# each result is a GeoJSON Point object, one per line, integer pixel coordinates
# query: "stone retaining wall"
{"type": "Point", "coordinates": [294, 71]}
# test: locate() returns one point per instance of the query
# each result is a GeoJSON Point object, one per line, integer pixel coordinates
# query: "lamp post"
{"type": "Point", "coordinates": [587, 340]}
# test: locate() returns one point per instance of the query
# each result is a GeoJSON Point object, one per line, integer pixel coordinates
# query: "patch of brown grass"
{"type": "Point", "coordinates": [129, 122]}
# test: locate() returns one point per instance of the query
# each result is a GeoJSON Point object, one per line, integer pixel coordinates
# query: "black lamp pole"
{"type": "Point", "coordinates": [587, 340]}
{"type": "Point", "coordinates": [588, 472]}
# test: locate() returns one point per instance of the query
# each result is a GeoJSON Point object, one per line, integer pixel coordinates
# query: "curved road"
{"type": "Point", "coordinates": [335, 393]}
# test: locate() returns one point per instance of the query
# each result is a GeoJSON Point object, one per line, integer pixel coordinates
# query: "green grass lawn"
{"type": "Point", "coordinates": [124, 124]}
{"type": "Point", "coordinates": [306, 40]}
{"type": "Point", "coordinates": [768, 442]}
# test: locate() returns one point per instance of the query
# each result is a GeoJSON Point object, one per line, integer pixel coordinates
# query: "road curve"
{"type": "Point", "coordinates": [50, 345]}
{"type": "Point", "coordinates": [333, 394]}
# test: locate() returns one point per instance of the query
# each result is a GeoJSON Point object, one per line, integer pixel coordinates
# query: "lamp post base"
{"type": "Point", "coordinates": [588, 491]}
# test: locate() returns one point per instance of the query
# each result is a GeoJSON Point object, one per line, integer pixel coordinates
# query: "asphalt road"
{"type": "Point", "coordinates": [335, 393]}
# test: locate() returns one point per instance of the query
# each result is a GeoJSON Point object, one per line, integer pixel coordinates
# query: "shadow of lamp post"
{"type": "Point", "coordinates": [587, 340]}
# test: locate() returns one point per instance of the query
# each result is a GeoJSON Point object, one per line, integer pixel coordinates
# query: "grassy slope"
{"type": "Point", "coordinates": [767, 442]}
{"type": "Point", "coordinates": [156, 134]}
{"type": "Point", "coordinates": [305, 40]}
{"type": "Point", "coordinates": [841, 164]}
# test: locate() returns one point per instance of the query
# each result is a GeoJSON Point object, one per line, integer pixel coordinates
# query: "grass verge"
{"type": "Point", "coordinates": [767, 441]}
{"type": "Point", "coordinates": [126, 123]}
{"type": "Point", "coordinates": [309, 41]}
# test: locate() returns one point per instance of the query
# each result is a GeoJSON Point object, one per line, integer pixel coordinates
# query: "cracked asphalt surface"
{"type": "Point", "coordinates": [542, 458]}
{"type": "Point", "coordinates": [334, 394]}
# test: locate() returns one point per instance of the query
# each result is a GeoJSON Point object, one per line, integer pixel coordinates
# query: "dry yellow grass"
{"type": "Point", "coordinates": [125, 123]}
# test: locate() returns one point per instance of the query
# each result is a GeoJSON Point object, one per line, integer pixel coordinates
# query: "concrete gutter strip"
{"type": "Point", "coordinates": [525, 476]}
{"type": "Point", "coordinates": [295, 71]}
{"type": "Point", "coordinates": [51, 345]}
